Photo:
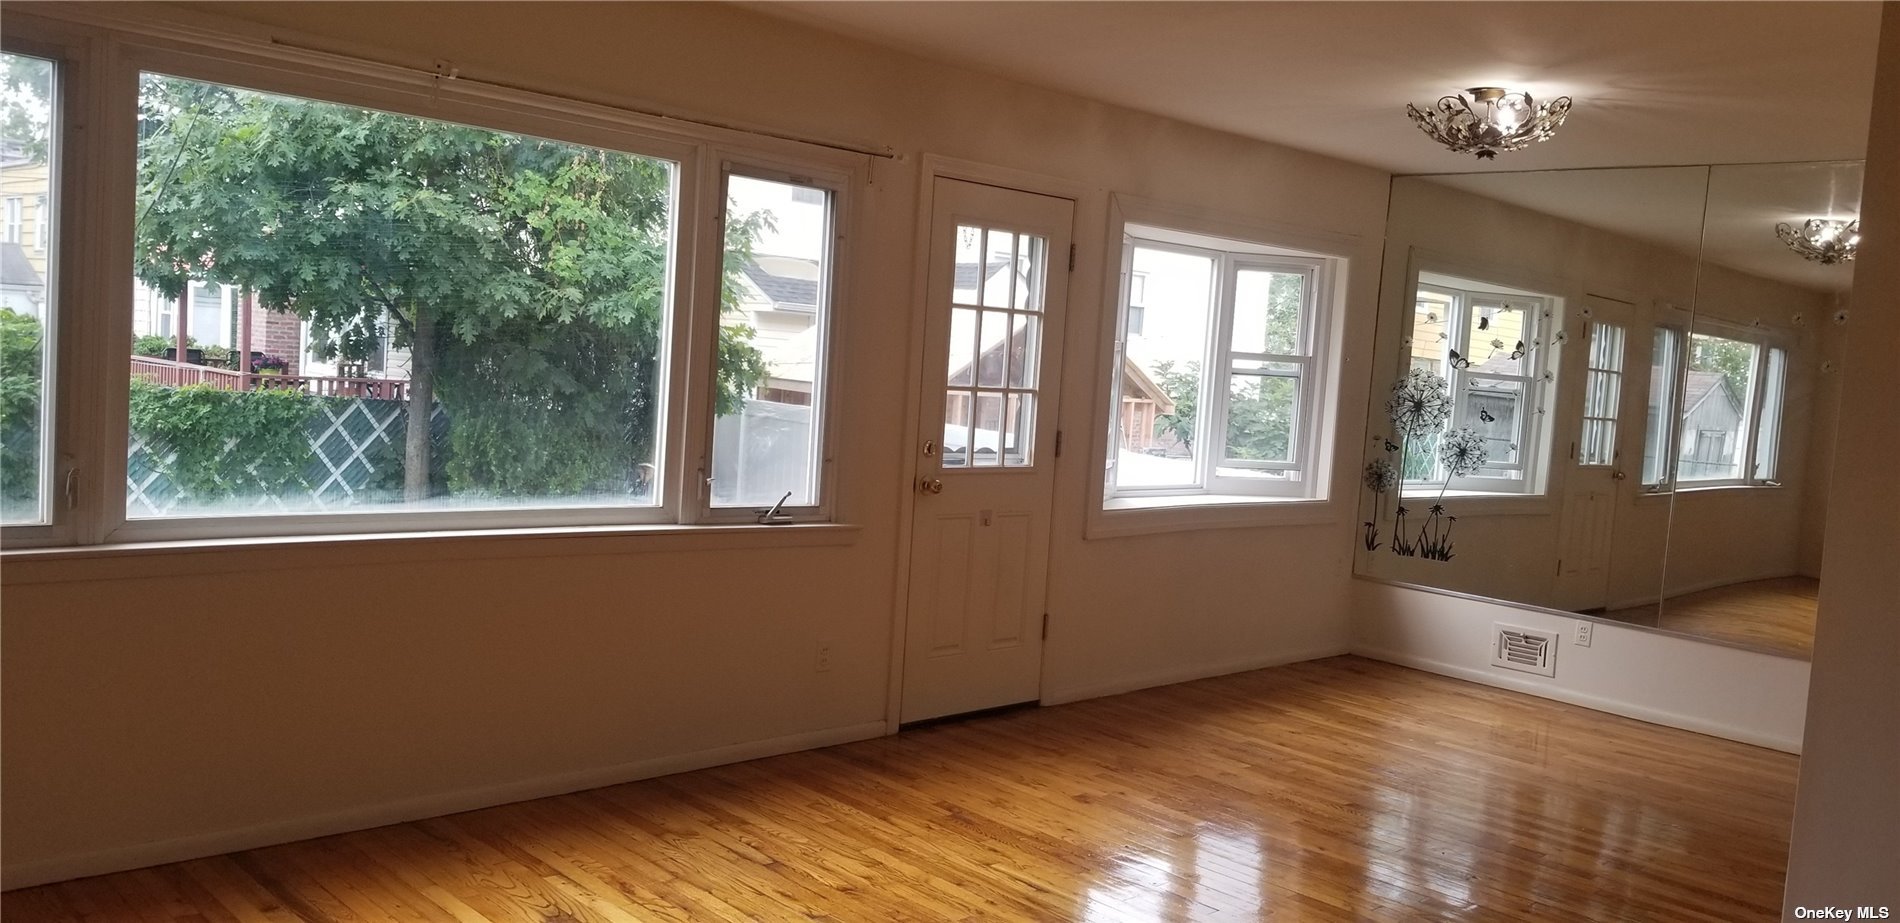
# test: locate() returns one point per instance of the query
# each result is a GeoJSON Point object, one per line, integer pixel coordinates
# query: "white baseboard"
{"type": "Point", "coordinates": [1596, 702]}
{"type": "Point", "coordinates": [1170, 677]}
{"type": "Point", "coordinates": [196, 846]}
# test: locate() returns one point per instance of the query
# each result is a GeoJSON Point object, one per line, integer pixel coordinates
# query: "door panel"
{"type": "Point", "coordinates": [980, 525]}
{"type": "Point", "coordinates": [1593, 487]}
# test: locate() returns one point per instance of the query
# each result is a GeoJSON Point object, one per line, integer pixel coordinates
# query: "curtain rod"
{"type": "Point", "coordinates": [445, 72]}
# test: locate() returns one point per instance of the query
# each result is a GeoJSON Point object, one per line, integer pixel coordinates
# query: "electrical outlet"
{"type": "Point", "coordinates": [1584, 630]}
{"type": "Point", "coordinates": [824, 658]}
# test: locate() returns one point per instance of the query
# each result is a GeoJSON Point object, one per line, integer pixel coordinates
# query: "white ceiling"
{"type": "Point", "coordinates": [1653, 83]}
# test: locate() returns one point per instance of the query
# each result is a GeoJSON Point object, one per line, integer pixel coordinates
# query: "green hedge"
{"type": "Point", "coordinates": [226, 443]}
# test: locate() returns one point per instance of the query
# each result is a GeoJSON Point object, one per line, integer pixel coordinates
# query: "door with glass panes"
{"type": "Point", "coordinates": [997, 285]}
{"type": "Point", "coordinates": [1593, 485]}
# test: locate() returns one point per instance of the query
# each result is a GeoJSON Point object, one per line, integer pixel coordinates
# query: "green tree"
{"type": "Point", "coordinates": [526, 277]}
{"type": "Point", "coordinates": [1183, 387]}
{"type": "Point", "coordinates": [1734, 359]}
{"type": "Point", "coordinates": [21, 339]}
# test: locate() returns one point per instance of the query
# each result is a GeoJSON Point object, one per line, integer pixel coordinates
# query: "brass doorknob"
{"type": "Point", "coordinates": [1618, 475]}
{"type": "Point", "coordinates": [930, 485]}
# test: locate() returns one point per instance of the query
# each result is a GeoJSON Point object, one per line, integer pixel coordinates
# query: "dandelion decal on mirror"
{"type": "Point", "coordinates": [1462, 451]}
{"type": "Point", "coordinates": [1420, 404]}
{"type": "Point", "coordinates": [1381, 478]}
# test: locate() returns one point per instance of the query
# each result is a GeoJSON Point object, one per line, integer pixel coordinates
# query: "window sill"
{"type": "Point", "coordinates": [1124, 516]}
{"type": "Point", "coordinates": [1725, 488]}
{"type": "Point", "coordinates": [1481, 503]}
{"type": "Point", "coordinates": [133, 560]}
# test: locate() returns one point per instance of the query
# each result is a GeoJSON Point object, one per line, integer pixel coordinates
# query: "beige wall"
{"type": "Point", "coordinates": [1846, 845]}
{"type": "Point", "coordinates": [184, 703]}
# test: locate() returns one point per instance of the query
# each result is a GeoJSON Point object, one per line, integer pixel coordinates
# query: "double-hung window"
{"type": "Point", "coordinates": [1217, 368]}
{"type": "Point", "coordinates": [1724, 410]}
{"type": "Point", "coordinates": [1488, 344]}
{"type": "Point", "coordinates": [347, 318]}
{"type": "Point", "coordinates": [28, 315]}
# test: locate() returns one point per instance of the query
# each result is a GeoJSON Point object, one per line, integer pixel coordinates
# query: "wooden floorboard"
{"type": "Point", "coordinates": [1774, 615]}
{"type": "Point", "coordinates": [1340, 789]}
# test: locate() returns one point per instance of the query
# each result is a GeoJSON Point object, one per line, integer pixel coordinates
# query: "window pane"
{"type": "Point", "coordinates": [1025, 351]}
{"type": "Point", "coordinates": [1267, 312]}
{"type": "Point", "coordinates": [1262, 411]}
{"type": "Point", "coordinates": [1602, 395]}
{"type": "Point", "coordinates": [987, 438]}
{"type": "Point", "coordinates": [1159, 422]}
{"type": "Point", "coordinates": [517, 289]}
{"type": "Point", "coordinates": [962, 346]}
{"type": "Point", "coordinates": [993, 359]}
{"type": "Point", "coordinates": [1001, 282]}
{"type": "Point", "coordinates": [969, 266]}
{"type": "Point", "coordinates": [767, 436]}
{"type": "Point", "coordinates": [1020, 429]}
{"type": "Point", "coordinates": [958, 410]}
{"type": "Point", "coordinates": [1715, 407]}
{"type": "Point", "coordinates": [1494, 408]}
{"type": "Point", "coordinates": [1664, 360]}
{"type": "Point", "coordinates": [1431, 331]}
{"type": "Point", "coordinates": [1499, 338]}
{"type": "Point", "coordinates": [1768, 438]}
{"type": "Point", "coordinates": [26, 299]}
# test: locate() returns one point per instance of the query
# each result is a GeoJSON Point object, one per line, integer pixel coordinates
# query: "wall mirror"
{"type": "Point", "coordinates": [1610, 393]}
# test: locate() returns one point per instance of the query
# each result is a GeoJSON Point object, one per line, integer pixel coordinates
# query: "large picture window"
{"type": "Point", "coordinates": [1217, 367]}
{"type": "Point", "coordinates": [343, 318]}
{"type": "Point", "coordinates": [1489, 344]}
{"type": "Point", "coordinates": [27, 294]}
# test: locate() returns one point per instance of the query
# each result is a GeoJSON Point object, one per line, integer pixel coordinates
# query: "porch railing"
{"type": "Point", "coordinates": [178, 374]}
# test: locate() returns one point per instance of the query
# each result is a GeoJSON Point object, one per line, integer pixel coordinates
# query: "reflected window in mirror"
{"type": "Point", "coordinates": [1729, 406]}
{"type": "Point", "coordinates": [1602, 392]}
{"type": "Point", "coordinates": [1486, 341]}
{"type": "Point", "coordinates": [1659, 435]}
{"type": "Point", "coordinates": [1217, 383]}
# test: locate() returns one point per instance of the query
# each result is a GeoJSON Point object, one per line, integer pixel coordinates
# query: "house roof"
{"type": "Point", "coordinates": [1139, 385]}
{"type": "Point", "coordinates": [783, 289]}
{"type": "Point", "coordinates": [967, 272]}
{"type": "Point", "coordinates": [1697, 386]}
{"type": "Point", "coordinates": [16, 270]}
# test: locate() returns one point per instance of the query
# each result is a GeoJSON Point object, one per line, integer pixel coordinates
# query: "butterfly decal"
{"type": "Point", "coordinates": [1458, 361]}
{"type": "Point", "coordinates": [1486, 416]}
{"type": "Point", "coordinates": [1389, 447]}
{"type": "Point", "coordinates": [1484, 323]}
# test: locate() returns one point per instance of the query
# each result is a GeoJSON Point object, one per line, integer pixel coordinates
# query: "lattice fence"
{"type": "Point", "coordinates": [357, 443]}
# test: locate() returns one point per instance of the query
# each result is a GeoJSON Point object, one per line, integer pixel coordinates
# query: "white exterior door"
{"type": "Point", "coordinates": [997, 289]}
{"type": "Point", "coordinates": [1593, 488]}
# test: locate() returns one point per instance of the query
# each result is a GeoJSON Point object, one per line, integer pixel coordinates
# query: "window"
{"type": "Point", "coordinates": [1217, 381]}
{"type": "Point", "coordinates": [993, 378]}
{"type": "Point", "coordinates": [27, 297]}
{"type": "Point", "coordinates": [1659, 434]}
{"type": "Point", "coordinates": [1602, 395]}
{"type": "Point", "coordinates": [1729, 411]}
{"type": "Point", "coordinates": [775, 315]}
{"type": "Point", "coordinates": [41, 223]}
{"type": "Point", "coordinates": [1487, 342]}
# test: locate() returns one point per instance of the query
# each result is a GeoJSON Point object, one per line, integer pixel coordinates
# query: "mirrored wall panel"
{"type": "Point", "coordinates": [1593, 400]}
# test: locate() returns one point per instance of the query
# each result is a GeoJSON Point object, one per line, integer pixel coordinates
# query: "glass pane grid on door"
{"type": "Point", "coordinates": [1602, 392]}
{"type": "Point", "coordinates": [995, 347]}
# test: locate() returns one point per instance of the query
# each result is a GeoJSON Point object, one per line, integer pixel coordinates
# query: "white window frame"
{"type": "Point", "coordinates": [1618, 375]}
{"type": "Point", "coordinates": [835, 185]}
{"type": "Point", "coordinates": [111, 51]}
{"type": "Point", "coordinates": [1230, 256]}
{"type": "Point", "coordinates": [57, 476]}
{"type": "Point", "coordinates": [1542, 320]}
{"type": "Point", "coordinates": [1670, 430]}
{"type": "Point", "coordinates": [42, 223]}
{"type": "Point", "coordinates": [1748, 438]}
{"type": "Point", "coordinates": [15, 219]}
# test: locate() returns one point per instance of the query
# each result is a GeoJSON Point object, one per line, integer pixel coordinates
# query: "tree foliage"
{"type": "Point", "coordinates": [215, 443]}
{"type": "Point", "coordinates": [21, 341]}
{"type": "Point", "coordinates": [1735, 360]}
{"type": "Point", "coordinates": [526, 277]}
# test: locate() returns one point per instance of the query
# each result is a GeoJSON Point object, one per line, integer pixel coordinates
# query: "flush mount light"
{"type": "Point", "coordinates": [1508, 120]}
{"type": "Point", "coordinates": [1822, 240]}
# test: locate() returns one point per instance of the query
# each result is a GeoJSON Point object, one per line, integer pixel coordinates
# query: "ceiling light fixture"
{"type": "Point", "coordinates": [1510, 121]}
{"type": "Point", "coordinates": [1822, 240]}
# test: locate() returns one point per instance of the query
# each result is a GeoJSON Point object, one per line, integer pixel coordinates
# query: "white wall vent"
{"type": "Point", "coordinates": [1524, 649]}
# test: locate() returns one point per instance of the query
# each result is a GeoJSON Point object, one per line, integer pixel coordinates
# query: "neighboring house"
{"type": "Point", "coordinates": [25, 212]}
{"type": "Point", "coordinates": [778, 299]}
{"type": "Point", "coordinates": [1711, 426]}
{"type": "Point", "coordinates": [1143, 401]}
{"type": "Point", "coordinates": [22, 288]}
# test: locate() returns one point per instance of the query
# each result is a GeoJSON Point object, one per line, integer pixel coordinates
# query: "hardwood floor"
{"type": "Point", "coordinates": [1773, 615]}
{"type": "Point", "coordinates": [1340, 789]}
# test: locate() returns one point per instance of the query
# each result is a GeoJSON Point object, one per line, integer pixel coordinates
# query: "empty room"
{"type": "Point", "coordinates": [1103, 461]}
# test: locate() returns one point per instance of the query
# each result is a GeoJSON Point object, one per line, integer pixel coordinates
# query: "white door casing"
{"type": "Point", "coordinates": [996, 290]}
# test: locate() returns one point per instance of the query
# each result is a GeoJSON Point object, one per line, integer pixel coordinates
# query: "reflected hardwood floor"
{"type": "Point", "coordinates": [1340, 789]}
{"type": "Point", "coordinates": [1774, 615]}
